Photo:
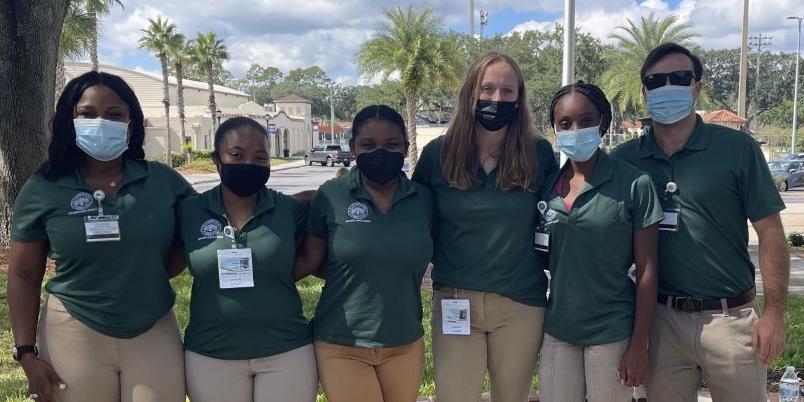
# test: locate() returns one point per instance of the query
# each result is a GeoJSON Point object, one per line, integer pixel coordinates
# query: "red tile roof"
{"type": "Point", "coordinates": [631, 124]}
{"type": "Point", "coordinates": [723, 116]}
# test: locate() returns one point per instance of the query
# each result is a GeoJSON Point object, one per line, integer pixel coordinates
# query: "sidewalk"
{"type": "Point", "coordinates": [202, 178]}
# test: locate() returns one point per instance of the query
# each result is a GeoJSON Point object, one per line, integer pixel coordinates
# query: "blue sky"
{"type": "Point", "coordinates": [291, 34]}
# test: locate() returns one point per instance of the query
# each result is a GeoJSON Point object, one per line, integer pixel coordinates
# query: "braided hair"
{"type": "Point", "coordinates": [594, 94]}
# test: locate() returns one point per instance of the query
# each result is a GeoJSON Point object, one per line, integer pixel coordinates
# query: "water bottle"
{"type": "Point", "coordinates": [788, 386]}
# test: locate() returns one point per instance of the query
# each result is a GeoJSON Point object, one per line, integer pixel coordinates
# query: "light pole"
{"type": "Point", "coordinates": [332, 112]}
{"type": "Point", "coordinates": [568, 70]}
{"type": "Point", "coordinates": [795, 89]}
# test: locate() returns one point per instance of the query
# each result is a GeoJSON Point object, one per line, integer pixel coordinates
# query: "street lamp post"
{"type": "Point", "coordinates": [332, 112]}
{"type": "Point", "coordinates": [795, 89]}
{"type": "Point", "coordinates": [218, 114]}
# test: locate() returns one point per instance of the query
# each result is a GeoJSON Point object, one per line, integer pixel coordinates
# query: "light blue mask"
{"type": "Point", "coordinates": [670, 103]}
{"type": "Point", "coordinates": [579, 145]}
{"type": "Point", "coordinates": [101, 139]}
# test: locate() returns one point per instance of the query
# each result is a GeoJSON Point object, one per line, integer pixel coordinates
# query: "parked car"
{"type": "Point", "coordinates": [329, 155]}
{"type": "Point", "coordinates": [795, 156]}
{"type": "Point", "coordinates": [787, 173]}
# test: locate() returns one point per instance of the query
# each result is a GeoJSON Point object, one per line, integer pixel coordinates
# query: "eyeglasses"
{"type": "Point", "coordinates": [658, 80]}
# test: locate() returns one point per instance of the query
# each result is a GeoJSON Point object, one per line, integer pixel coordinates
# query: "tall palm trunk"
{"type": "Point", "coordinates": [61, 79]}
{"type": "Point", "coordinates": [93, 48]}
{"type": "Point", "coordinates": [166, 101]}
{"type": "Point", "coordinates": [212, 106]}
{"type": "Point", "coordinates": [180, 100]}
{"type": "Point", "coordinates": [410, 111]}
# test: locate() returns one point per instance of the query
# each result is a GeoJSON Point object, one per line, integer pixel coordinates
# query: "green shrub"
{"type": "Point", "coordinates": [796, 239]}
{"type": "Point", "coordinates": [202, 154]}
{"type": "Point", "coordinates": [179, 159]}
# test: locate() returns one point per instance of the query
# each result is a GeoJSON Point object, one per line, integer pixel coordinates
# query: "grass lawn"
{"type": "Point", "coordinates": [13, 387]}
{"type": "Point", "coordinates": [205, 165]}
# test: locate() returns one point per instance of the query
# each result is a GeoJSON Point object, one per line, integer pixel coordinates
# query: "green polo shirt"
{"type": "Point", "coordinates": [375, 262]}
{"type": "Point", "coordinates": [723, 180]}
{"type": "Point", "coordinates": [252, 322]}
{"type": "Point", "coordinates": [484, 236]}
{"type": "Point", "coordinates": [591, 249]}
{"type": "Point", "coordinates": [117, 288]}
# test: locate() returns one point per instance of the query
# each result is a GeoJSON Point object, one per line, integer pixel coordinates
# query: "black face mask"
{"type": "Point", "coordinates": [495, 115]}
{"type": "Point", "coordinates": [244, 179]}
{"type": "Point", "coordinates": [380, 165]}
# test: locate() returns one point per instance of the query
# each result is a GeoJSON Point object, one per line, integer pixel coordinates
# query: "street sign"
{"type": "Point", "coordinates": [272, 128]}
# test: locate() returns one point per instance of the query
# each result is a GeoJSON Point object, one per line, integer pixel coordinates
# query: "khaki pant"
{"type": "Point", "coordinates": [354, 374]}
{"type": "Point", "coordinates": [286, 377]}
{"type": "Point", "coordinates": [569, 373]}
{"type": "Point", "coordinates": [100, 368]}
{"type": "Point", "coordinates": [719, 344]}
{"type": "Point", "coordinates": [505, 340]}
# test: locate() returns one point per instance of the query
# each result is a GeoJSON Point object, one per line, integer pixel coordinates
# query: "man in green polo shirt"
{"type": "Point", "coordinates": [711, 179]}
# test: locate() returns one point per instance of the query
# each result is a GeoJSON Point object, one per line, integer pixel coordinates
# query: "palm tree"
{"type": "Point", "coordinates": [622, 81]}
{"type": "Point", "coordinates": [162, 39]}
{"type": "Point", "coordinates": [181, 58]}
{"type": "Point", "coordinates": [95, 9]}
{"type": "Point", "coordinates": [414, 45]}
{"type": "Point", "coordinates": [75, 39]}
{"type": "Point", "coordinates": [207, 51]}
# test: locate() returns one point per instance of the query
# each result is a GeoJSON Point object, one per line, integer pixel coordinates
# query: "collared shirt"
{"type": "Point", "coordinates": [118, 288]}
{"type": "Point", "coordinates": [249, 322]}
{"type": "Point", "coordinates": [484, 236]}
{"type": "Point", "coordinates": [591, 250]}
{"type": "Point", "coordinates": [375, 262]}
{"type": "Point", "coordinates": [722, 181]}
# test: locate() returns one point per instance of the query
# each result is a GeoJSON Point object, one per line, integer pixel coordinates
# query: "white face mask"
{"type": "Point", "coordinates": [101, 139]}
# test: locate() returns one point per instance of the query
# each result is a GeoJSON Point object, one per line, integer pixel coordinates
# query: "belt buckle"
{"type": "Point", "coordinates": [688, 305]}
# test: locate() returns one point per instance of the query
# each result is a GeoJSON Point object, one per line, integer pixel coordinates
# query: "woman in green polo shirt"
{"type": "Point", "coordinates": [372, 226]}
{"type": "Point", "coordinates": [247, 340]}
{"type": "Point", "coordinates": [490, 288]}
{"type": "Point", "coordinates": [601, 216]}
{"type": "Point", "coordinates": [105, 216]}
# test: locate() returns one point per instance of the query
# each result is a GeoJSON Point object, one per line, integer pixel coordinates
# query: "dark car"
{"type": "Point", "coordinates": [329, 155]}
{"type": "Point", "coordinates": [787, 173]}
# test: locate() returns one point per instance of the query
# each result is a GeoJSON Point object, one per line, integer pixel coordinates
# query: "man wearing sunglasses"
{"type": "Point", "coordinates": [711, 180]}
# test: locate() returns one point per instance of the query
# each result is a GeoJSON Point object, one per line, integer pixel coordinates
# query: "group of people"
{"type": "Point", "coordinates": [650, 277]}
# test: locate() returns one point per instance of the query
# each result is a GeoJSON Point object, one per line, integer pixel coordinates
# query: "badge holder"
{"type": "Point", "coordinates": [672, 212]}
{"type": "Point", "coordinates": [235, 269]}
{"type": "Point", "coordinates": [102, 227]}
{"type": "Point", "coordinates": [455, 316]}
{"type": "Point", "coordinates": [541, 239]}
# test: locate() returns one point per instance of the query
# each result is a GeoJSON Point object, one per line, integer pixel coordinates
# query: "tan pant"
{"type": "Point", "coordinates": [353, 374]}
{"type": "Point", "coordinates": [505, 340]}
{"type": "Point", "coordinates": [569, 373]}
{"type": "Point", "coordinates": [718, 344]}
{"type": "Point", "coordinates": [286, 377]}
{"type": "Point", "coordinates": [96, 367]}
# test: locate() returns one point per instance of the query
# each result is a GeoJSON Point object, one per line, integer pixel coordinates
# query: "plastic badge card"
{"type": "Point", "coordinates": [235, 268]}
{"type": "Point", "coordinates": [455, 317]}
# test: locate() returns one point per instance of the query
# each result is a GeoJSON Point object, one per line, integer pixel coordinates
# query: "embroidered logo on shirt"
{"type": "Point", "coordinates": [358, 211]}
{"type": "Point", "coordinates": [81, 203]}
{"type": "Point", "coordinates": [210, 230]}
{"type": "Point", "coordinates": [550, 216]}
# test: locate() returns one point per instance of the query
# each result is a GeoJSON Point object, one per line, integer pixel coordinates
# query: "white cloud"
{"type": "Point", "coordinates": [542, 26]}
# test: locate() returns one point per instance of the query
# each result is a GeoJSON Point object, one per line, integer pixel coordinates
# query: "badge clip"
{"type": "Point", "coordinates": [229, 232]}
{"type": "Point", "coordinates": [99, 196]}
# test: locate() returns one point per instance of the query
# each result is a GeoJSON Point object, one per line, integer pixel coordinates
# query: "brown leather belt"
{"type": "Point", "coordinates": [693, 304]}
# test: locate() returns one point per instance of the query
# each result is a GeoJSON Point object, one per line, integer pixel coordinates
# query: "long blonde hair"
{"type": "Point", "coordinates": [459, 154]}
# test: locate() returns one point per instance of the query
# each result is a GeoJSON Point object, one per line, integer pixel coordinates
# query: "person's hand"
{"type": "Point", "coordinates": [42, 379]}
{"type": "Point", "coordinates": [768, 337]}
{"type": "Point", "coordinates": [634, 366]}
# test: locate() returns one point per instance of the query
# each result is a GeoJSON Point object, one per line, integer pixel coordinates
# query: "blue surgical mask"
{"type": "Point", "coordinates": [101, 139]}
{"type": "Point", "coordinates": [670, 103]}
{"type": "Point", "coordinates": [579, 145]}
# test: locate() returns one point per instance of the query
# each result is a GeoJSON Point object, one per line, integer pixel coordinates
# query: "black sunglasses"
{"type": "Point", "coordinates": [658, 80]}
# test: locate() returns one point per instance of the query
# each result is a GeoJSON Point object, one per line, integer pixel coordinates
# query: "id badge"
{"type": "Point", "coordinates": [235, 268]}
{"type": "Point", "coordinates": [671, 219]}
{"type": "Point", "coordinates": [455, 317]}
{"type": "Point", "coordinates": [541, 241]}
{"type": "Point", "coordinates": [102, 228]}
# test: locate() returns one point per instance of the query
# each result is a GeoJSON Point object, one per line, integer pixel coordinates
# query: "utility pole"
{"type": "Point", "coordinates": [332, 112]}
{"type": "Point", "coordinates": [759, 41]}
{"type": "Point", "coordinates": [472, 18]}
{"type": "Point", "coordinates": [484, 20]}
{"type": "Point", "coordinates": [795, 89]}
{"type": "Point", "coordinates": [568, 61]}
{"type": "Point", "coordinates": [743, 63]}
